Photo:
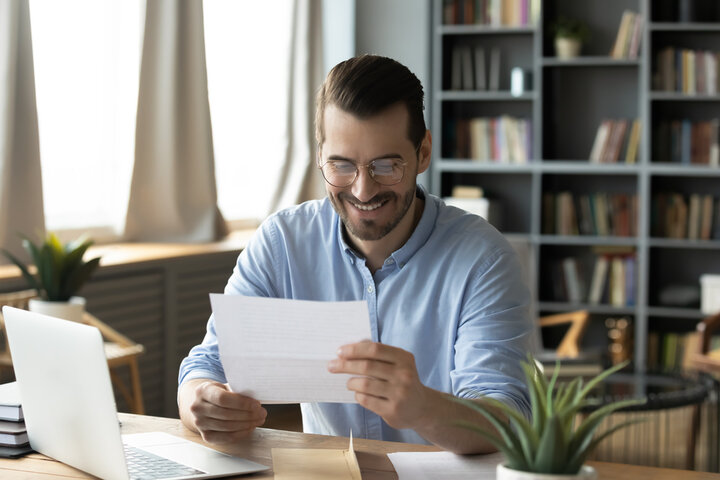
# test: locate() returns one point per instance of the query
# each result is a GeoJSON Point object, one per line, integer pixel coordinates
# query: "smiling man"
{"type": "Point", "coordinates": [448, 309]}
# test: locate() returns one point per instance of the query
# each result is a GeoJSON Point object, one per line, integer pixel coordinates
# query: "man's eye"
{"type": "Point", "coordinates": [343, 167]}
{"type": "Point", "coordinates": [384, 167]}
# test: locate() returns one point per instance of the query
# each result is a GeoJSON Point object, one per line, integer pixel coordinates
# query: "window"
{"type": "Point", "coordinates": [87, 58]}
{"type": "Point", "coordinates": [247, 46]}
{"type": "Point", "coordinates": [87, 62]}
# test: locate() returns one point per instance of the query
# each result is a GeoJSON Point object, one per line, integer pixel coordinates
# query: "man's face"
{"type": "Point", "coordinates": [368, 209]}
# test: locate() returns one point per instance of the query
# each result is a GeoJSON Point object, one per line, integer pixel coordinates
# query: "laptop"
{"type": "Point", "coordinates": [70, 411]}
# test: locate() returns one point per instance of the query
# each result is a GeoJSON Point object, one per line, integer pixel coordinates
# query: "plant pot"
{"type": "Point", "coordinates": [567, 48]}
{"type": "Point", "coordinates": [72, 310]}
{"type": "Point", "coordinates": [504, 473]}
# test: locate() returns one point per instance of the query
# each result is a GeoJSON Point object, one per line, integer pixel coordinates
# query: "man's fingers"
{"type": "Point", "coordinates": [370, 386]}
{"type": "Point", "coordinates": [213, 424]}
{"type": "Point", "coordinates": [220, 395]}
{"type": "Point", "coordinates": [369, 368]}
{"type": "Point", "coordinates": [369, 350]}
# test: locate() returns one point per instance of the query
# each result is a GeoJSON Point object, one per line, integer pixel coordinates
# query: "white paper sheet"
{"type": "Point", "coordinates": [277, 350]}
{"type": "Point", "coordinates": [444, 466]}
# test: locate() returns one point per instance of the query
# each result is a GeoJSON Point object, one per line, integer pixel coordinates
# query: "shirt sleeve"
{"type": "Point", "coordinates": [494, 334]}
{"type": "Point", "coordinates": [254, 275]}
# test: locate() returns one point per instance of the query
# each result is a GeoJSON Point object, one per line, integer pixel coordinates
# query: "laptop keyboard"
{"type": "Point", "coordinates": [144, 465]}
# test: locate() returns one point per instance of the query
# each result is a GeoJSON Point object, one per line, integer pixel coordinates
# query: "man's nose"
{"type": "Point", "coordinates": [364, 188]}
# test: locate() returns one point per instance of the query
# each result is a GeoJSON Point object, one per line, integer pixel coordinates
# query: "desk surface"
{"type": "Point", "coordinates": [371, 455]}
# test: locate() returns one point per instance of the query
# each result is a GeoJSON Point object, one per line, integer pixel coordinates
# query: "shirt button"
{"type": "Point", "coordinates": [370, 289]}
{"type": "Point", "coordinates": [401, 264]}
{"type": "Point", "coordinates": [390, 261]}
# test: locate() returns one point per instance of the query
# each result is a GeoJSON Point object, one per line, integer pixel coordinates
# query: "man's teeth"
{"type": "Point", "coordinates": [368, 208]}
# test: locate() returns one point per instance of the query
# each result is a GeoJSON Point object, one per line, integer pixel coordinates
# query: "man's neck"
{"type": "Point", "coordinates": [377, 251]}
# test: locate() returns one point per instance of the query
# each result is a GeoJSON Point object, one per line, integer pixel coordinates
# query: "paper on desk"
{"type": "Point", "coordinates": [315, 463]}
{"type": "Point", "coordinates": [444, 465]}
{"type": "Point", "coordinates": [277, 350]}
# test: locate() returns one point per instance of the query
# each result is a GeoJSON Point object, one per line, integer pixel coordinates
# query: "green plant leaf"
{"type": "Point", "coordinates": [537, 405]}
{"type": "Point", "coordinates": [581, 454]}
{"type": "Point", "coordinates": [514, 460]}
{"type": "Point", "coordinates": [29, 278]}
{"type": "Point", "coordinates": [584, 432]}
{"type": "Point", "coordinates": [600, 377]}
{"type": "Point", "coordinates": [528, 437]}
{"type": "Point", "coordinates": [77, 278]}
{"type": "Point", "coordinates": [508, 435]}
{"type": "Point", "coordinates": [552, 451]}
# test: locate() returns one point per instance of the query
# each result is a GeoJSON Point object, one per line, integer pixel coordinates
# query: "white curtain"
{"type": "Point", "coordinates": [301, 180]}
{"type": "Point", "coordinates": [21, 200]}
{"type": "Point", "coordinates": [173, 195]}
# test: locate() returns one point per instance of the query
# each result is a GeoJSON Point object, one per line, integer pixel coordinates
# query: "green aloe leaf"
{"type": "Point", "coordinates": [508, 435]}
{"type": "Point", "coordinates": [29, 278]}
{"type": "Point", "coordinates": [552, 450]}
{"type": "Point", "coordinates": [600, 377]}
{"type": "Point", "coordinates": [584, 432]}
{"type": "Point", "coordinates": [514, 459]}
{"type": "Point", "coordinates": [582, 453]}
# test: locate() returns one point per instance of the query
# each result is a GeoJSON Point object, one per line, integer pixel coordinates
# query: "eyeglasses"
{"type": "Point", "coordinates": [343, 173]}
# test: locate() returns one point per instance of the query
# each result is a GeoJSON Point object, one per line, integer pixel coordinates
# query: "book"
{"type": "Point", "coordinates": [693, 229]}
{"type": "Point", "coordinates": [456, 68]}
{"type": "Point", "coordinates": [633, 142]}
{"type": "Point", "coordinates": [600, 140]}
{"type": "Point", "coordinates": [597, 285]}
{"type": "Point", "coordinates": [494, 79]}
{"type": "Point", "coordinates": [706, 217]}
{"type": "Point", "coordinates": [619, 49]}
{"type": "Point", "coordinates": [480, 76]}
{"type": "Point", "coordinates": [468, 82]}
{"type": "Point", "coordinates": [13, 434]}
{"type": "Point", "coordinates": [10, 408]}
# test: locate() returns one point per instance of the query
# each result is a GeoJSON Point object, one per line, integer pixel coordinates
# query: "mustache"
{"type": "Point", "coordinates": [376, 199]}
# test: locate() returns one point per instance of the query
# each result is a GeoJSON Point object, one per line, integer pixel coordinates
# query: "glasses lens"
{"type": "Point", "coordinates": [339, 173]}
{"type": "Point", "coordinates": [387, 171]}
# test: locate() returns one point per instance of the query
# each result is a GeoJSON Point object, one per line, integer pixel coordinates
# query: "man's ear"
{"type": "Point", "coordinates": [425, 152]}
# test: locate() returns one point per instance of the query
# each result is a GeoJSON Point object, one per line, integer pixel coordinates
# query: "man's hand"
{"type": "Point", "coordinates": [387, 382]}
{"type": "Point", "coordinates": [219, 415]}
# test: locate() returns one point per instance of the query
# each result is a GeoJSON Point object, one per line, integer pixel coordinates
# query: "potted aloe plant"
{"type": "Point", "coordinates": [551, 446]}
{"type": "Point", "coordinates": [570, 34]}
{"type": "Point", "coordinates": [60, 272]}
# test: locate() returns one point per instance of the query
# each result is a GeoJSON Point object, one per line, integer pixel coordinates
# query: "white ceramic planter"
{"type": "Point", "coordinates": [566, 48]}
{"type": "Point", "coordinates": [71, 310]}
{"type": "Point", "coordinates": [504, 473]}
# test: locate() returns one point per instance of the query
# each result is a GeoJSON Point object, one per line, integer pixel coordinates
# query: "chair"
{"type": "Point", "coordinates": [119, 350]}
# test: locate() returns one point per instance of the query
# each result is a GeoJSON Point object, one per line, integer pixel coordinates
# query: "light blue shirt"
{"type": "Point", "coordinates": [452, 295]}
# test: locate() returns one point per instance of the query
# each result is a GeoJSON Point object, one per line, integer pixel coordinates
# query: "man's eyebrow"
{"type": "Point", "coordinates": [387, 155]}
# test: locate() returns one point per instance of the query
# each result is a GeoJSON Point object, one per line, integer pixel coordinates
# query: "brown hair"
{"type": "Point", "coordinates": [368, 84]}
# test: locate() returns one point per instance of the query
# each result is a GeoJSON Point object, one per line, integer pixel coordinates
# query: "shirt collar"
{"type": "Point", "coordinates": [418, 238]}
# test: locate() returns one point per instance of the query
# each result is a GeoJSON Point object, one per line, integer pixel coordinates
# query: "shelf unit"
{"type": "Point", "coordinates": [566, 103]}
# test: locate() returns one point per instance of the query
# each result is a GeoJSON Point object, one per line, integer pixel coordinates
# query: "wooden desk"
{"type": "Point", "coordinates": [371, 455]}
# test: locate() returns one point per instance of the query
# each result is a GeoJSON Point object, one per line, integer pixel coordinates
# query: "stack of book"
{"type": "Point", "coordinates": [609, 279]}
{"type": "Point", "coordinates": [627, 41]}
{"type": "Point", "coordinates": [688, 142]}
{"type": "Point", "coordinates": [601, 214]}
{"type": "Point", "coordinates": [13, 435]}
{"type": "Point", "coordinates": [502, 139]}
{"type": "Point", "coordinates": [687, 71]}
{"type": "Point", "coordinates": [615, 142]}
{"type": "Point", "coordinates": [693, 217]}
{"type": "Point", "coordinates": [491, 12]}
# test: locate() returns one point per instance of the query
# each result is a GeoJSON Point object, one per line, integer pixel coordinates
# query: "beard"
{"type": "Point", "coordinates": [370, 230]}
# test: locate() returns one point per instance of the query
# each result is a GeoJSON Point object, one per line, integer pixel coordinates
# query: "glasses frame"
{"type": "Point", "coordinates": [402, 163]}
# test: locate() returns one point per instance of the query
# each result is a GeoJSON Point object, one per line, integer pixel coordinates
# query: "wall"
{"type": "Point", "coordinates": [400, 29]}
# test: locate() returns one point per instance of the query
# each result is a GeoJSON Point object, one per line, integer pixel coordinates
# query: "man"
{"type": "Point", "coordinates": [448, 308]}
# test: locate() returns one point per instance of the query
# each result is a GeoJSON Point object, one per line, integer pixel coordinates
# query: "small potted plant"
{"type": "Point", "coordinates": [60, 274]}
{"type": "Point", "coordinates": [551, 446]}
{"type": "Point", "coordinates": [569, 35]}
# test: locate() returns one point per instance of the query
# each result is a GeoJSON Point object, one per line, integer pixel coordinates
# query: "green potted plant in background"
{"type": "Point", "coordinates": [60, 272]}
{"type": "Point", "coordinates": [569, 34]}
{"type": "Point", "coordinates": [552, 445]}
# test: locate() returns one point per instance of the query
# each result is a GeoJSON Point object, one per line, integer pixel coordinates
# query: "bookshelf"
{"type": "Point", "coordinates": [564, 106]}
